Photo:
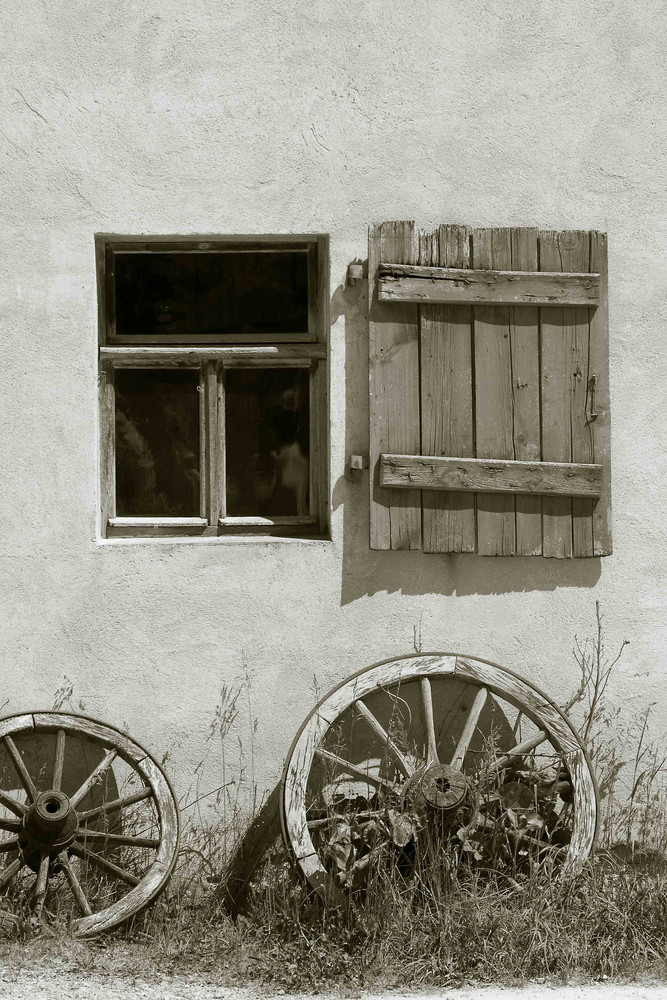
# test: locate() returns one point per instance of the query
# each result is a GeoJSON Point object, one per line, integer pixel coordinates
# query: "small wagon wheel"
{"type": "Point", "coordinates": [434, 734]}
{"type": "Point", "coordinates": [88, 820]}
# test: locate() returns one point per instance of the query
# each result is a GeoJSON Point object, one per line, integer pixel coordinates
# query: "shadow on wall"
{"type": "Point", "coordinates": [367, 572]}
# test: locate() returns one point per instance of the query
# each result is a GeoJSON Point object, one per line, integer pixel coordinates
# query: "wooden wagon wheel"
{"type": "Point", "coordinates": [88, 820]}
{"type": "Point", "coordinates": [434, 735]}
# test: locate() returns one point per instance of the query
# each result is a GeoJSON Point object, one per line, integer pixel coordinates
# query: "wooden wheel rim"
{"type": "Point", "coordinates": [143, 763]}
{"type": "Point", "coordinates": [501, 681]}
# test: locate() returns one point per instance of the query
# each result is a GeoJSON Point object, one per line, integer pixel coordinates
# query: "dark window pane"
{"type": "Point", "coordinates": [157, 443]}
{"type": "Point", "coordinates": [196, 294]}
{"type": "Point", "coordinates": [156, 293]}
{"type": "Point", "coordinates": [268, 437]}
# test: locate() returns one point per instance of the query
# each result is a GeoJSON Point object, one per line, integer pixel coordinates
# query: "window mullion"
{"type": "Point", "coordinates": [107, 444]}
{"type": "Point", "coordinates": [221, 443]}
{"type": "Point", "coordinates": [213, 417]}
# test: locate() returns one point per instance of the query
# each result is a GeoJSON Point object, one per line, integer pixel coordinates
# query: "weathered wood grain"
{"type": "Point", "coordinates": [319, 450]}
{"type": "Point", "coordinates": [520, 750]}
{"type": "Point", "coordinates": [204, 479]}
{"type": "Point", "coordinates": [20, 768]}
{"type": "Point", "coordinates": [525, 347]}
{"type": "Point", "coordinates": [394, 390]}
{"type": "Point", "coordinates": [293, 784]}
{"type": "Point", "coordinates": [585, 806]}
{"type": "Point", "coordinates": [431, 741]}
{"type": "Point", "coordinates": [288, 355]}
{"type": "Point", "coordinates": [454, 285]}
{"type": "Point", "coordinates": [494, 412]}
{"type": "Point", "coordinates": [466, 736]}
{"type": "Point", "coordinates": [109, 737]}
{"type": "Point", "coordinates": [107, 400]}
{"type": "Point", "coordinates": [16, 724]}
{"type": "Point", "coordinates": [421, 668]}
{"type": "Point", "coordinates": [145, 887]}
{"type": "Point", "coordinates": [154, 527]}
{"type": "Point", "coordinates": [519, 692]}
{"type": "Point", "coordinates": [364, 712]}
{"type": "Point", "coordinates": [447, 401]}
{"type": "Point", "coordinates": [391, 672]}
{"type": "Point", "coordinates": [568, 250]}
{"type": "Point", "coordinates": [490, 476]}
{"type": "Point", "coordinates": [214, 443]}
{"type": "Point", "coordinates": [581, 433]}
{"type": "Point", "coordinates": [599, 365]}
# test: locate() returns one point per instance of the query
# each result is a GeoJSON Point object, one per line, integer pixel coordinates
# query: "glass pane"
{"type": "Point", "coordinates": [191, 294]}
{"type": "Point", "coordinates": [157, 443]}
{"type": "Point", "coordinates": [268, 441]}
{"type": "Point", "coordinates": [156, 293]}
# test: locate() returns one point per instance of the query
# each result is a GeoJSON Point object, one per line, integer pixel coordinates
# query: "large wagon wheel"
{"type": "Point", "coordinates": [435, 741]}
{"type": "Point", "coordinates": [88, 820]}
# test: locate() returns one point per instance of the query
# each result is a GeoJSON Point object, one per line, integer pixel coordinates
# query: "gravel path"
{"type": "Point", "coordinates": [28, 984]}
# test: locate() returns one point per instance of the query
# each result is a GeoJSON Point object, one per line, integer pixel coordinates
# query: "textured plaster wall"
{"type": "Point", "coordinates": [184, 117]}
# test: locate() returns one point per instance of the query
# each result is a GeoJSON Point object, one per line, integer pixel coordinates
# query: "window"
{"type": "Point", "coordinates": [489, 391]}
{"type": "Point", "coordinates": [213, 385]}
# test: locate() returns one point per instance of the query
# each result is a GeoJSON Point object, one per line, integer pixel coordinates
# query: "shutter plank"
{"type": "Point", "coordinates": [447, 399]}
{"type": "Point", "coordinates": [599, 365]}
{"type": "Point", "coordinates": [394, 391]}
{"type": "Point", "coordinates": [582, 431]}
{"type": "Point", "coordinates": [490, 475]}
{"type": "Point", "coordinates": [429, 285]}
{"type": "Point", "coordinates": [525, 347]}
{"type": "Point", "coordinates": [494, 418]}
{"type": "Point", "coordinates": [563, 251]}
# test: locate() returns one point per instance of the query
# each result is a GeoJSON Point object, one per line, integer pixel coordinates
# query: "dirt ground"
{"type": "Point", "coordinates": [24, 984]}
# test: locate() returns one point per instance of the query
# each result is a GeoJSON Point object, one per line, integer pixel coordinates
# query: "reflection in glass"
{"type": "Point", "coordinates": [268, 438]}
{"type": "Point", "coordinates": [157, 443]}
{"type": "Point", "coordinates": [191, 294]}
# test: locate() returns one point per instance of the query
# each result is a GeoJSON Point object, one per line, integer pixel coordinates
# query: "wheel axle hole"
{"type": "Point", "coordinates": [442, 784]}
{"type": "Point", "coordinates": [52, 806]}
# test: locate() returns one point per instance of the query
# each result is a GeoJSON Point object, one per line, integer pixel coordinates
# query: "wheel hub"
{"type": "Point", "coordinates": [439, 786]}
{"type": "Point", "coordinates": [50, 822]}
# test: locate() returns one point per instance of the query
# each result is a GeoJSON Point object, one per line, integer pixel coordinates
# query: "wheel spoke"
{"type": "Point", "coordinates": [9, 803]}
{"type": "Point", "coordinates": [74, 884]}
{"type": "Point", "coordinates": [11, 825]}
{"type": "Point", "coordinates": [8, 873]}
{"type": "Point", "coordinates": [117, 838]}
{"type": "Point", "coordinates": [469, 728]}
{"type": "Point", "coordinates": [93, 778]}
{"type": "Point", "coordinates": [362, 863]}
{"type": "Point", "coordinates": [115, 805]}
{"type": "Point", "coordinates": [9, 845]}
{"type": "Point", "coordinates": [59, 760]}
{"type": "Point", "coordinates": [108, 866]}
{"type": "Point", "coordinates": [359, 771]}
{"type": "Point", "coordinates": [21, 769]}
{"type": "Point", "coordinates": [41, 884]}
{"type": "Point", "coordinates": [520, 750]}
{"type": "Point", "coordinates": [362, 817]}
{"type": "Point", "coordinates": [366, 714]}
{"type": "Point", "coordinates": [429, 723]}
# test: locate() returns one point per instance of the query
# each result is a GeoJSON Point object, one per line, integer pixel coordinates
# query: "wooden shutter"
{"type": "Point", "coordinates": [489, 399]}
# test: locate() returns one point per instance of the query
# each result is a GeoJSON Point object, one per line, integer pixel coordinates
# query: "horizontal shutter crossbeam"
{"type": "Point", "coordinates": [484, 475]}
{"type": "Point", "coordinates": [449, 285]}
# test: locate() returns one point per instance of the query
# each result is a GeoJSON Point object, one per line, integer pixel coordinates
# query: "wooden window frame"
{"type": "Point", "coordinates": [212, 357]}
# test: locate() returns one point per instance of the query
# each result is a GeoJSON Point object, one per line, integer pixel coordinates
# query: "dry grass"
{"type": "Point", "coordinates": [610, 921]}
{"type": "Point", "coordinates": [451, 925]}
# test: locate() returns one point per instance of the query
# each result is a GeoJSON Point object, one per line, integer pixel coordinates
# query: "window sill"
{"type": "Point", "coordinates": [224, 540]}
{"type": "Point", "coordinates": [229, 528]}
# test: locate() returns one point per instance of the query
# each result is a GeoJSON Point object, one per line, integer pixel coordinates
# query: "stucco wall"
{"type": "Point", "coordinates": [184, 117]}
